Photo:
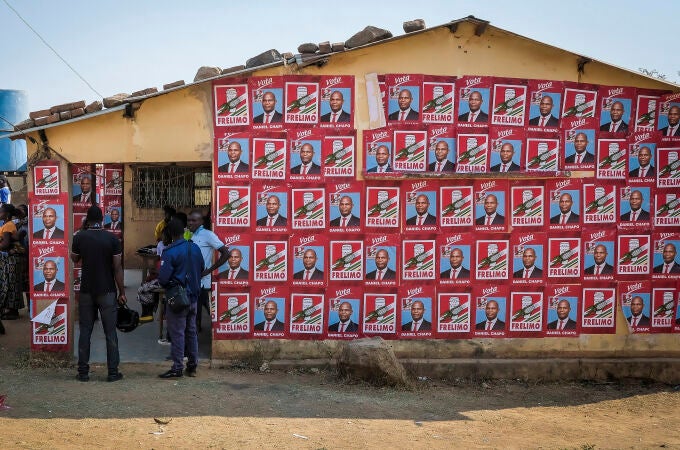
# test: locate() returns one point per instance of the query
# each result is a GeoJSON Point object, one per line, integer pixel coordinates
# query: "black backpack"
{"type": "Point", "coordinates": [128, 319]}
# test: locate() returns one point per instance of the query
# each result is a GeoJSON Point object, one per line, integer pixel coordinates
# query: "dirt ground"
{"type": "Point", "coordinates": [249, 409]}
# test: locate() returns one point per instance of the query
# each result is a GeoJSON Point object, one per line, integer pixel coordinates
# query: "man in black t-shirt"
{"type": "Point", "coordinates": [102, 272]}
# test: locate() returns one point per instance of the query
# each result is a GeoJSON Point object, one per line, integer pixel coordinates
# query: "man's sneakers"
{"type": "Point", "coordinates": [191, 371]}
{"type": "Point", "coordinates": [82, 377]}
{"type": "Point", "coordinates": [171, 374]}
{"type": "Point", "coordinates": [114, 377]}
{"type": "Point", "coordinates": [146, 319]}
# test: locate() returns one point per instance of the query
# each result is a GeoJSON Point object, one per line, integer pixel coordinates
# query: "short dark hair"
{"type": "Point", "coordinates": [175, 228]}
{"type": "Point", "coordinates": [167, 209]}
{"type": "Point", "coordinates": [94, 214]}
{"type": "Point", "coordinates": [182, 218]}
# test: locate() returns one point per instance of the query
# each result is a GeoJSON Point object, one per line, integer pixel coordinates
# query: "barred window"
{"type": "Point", "coordinates": [181, 187]}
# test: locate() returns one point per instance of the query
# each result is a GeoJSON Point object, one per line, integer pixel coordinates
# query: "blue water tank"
{"type": "Point", "coordinates": [13, 108]}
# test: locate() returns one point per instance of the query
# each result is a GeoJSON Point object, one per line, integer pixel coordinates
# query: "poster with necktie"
{"type": "Point", "coordinates": [527, 312]}
{"type": "Point", "coordinates": [438, 99]}
{"type": "Point", "coordinates": [634, 254]}
{"type": "Point", "coordinates": [48, 221]}
{"type": "Point", "coordinates": [420, 201]}
{"type": "Point", "coordinates": [668, 112]}
{"type": "Point", "coordinates": [380, 313]}
{"type": "Point", "coordinates": [456, 259]}
{"type": "Point", "coordinates": [456, 207]}
{"type": "Point", "coordinates": [271, 207]}
{"type": "Point", "coordinates": [441, 150]}
{"type": "Point", "coordinates": [473, 151]}
{"type": "Point", "coordinates": [234, 318]}
{"type": "Point", "coordinates": [410, 151]}
{"type": "Point", "coordinates": [542, 153]}
{"type": "Point", "coordinates": [337, 101]}
{"type": "Point", "coordinates": [491, 206]}
{"type": "Point", "coordinates": [338, 154]}
{"type": "Point", "coordinates": [664, 255]}
{"type": "Point", "coordinates": [664, 306]}
{"type": "Point", "coordinates": [345, 206]}
{"type": "Point", "coordinates": [545, 101]}
{"type": "Point", "coordinates": [49, 276]}
{"type": "Point", "coordinates": [382, 260]}
{"type": "Point", "coordinates": [528, 252]}
{"type": "Point", "coordinates": [635, 298]}
{"type": "Point", "coordinates": [113, 215]}
{"type": "Point", "coordinates": [507, 150]}
{"type": "Point", "coordinates": [233, 206]}
{"type": "Point", "coordinates": [307, 315]}
{"type": "Point", "coordinates": [232, 156]}
{"type": "Point", "coordinates": [404, 98]}
{"type": "Point", "coordinates": [509, 102]}
{"type": "Point", "coordinates": [305, 155]}
{"type": "Point", "coordinates": [491, 306]}
{"type": "Point", "coordinates": [474, 101]}
{"type": "Point", "coordinates": [646, 101]}
{"type": "Point", "coordinates": [267, 102]}
{"type": "Point", "coordinates": [309, 256]}
{"type": "Point", "coordinates": [599, 253]}
{"type": "Point", "coordinates": [527, 205]}
{"type": "Point", "coordinates": [49, 325]}
{"type": "Point", "coordinates": [231, 102]}
{"type": "Point", "coordinates": [642, 158]}
{"type": "Point", "coordinates": [563, 310]}
{"type": "Point", "coordinates": [580, 100]}
{"type": "Point", "coordinates": [666, 208]}
{"type": "Point", "coordinates": [378, 161]}
{"type": "Point", "coordinates": [564, 257]}
{"type": "Point", "coordinates": [270, 261]}
{"type": "Point", "coordinates": [454, 313]}
{"type": "Point", "coordinates": [344, 311]}
{"type": "Point", "coordinates": [383, 208]}
{"type": "Point", "coordinates": [579, 136]}
{"type": "Point", "coordinates": [492, 258]}
{"type": "Point", "coordinates": [271, 304]}
{"type": "Point", "coordinates": [237, 270]}
{"type": "Point", "coordinates": [419, 258]}
{"type": "Point", "coordinates": [308, 207]}
{"type": "Point", "coordinates": [668, 160]}
{"type": "Point", "coordinates": [270, 156]}
{"type": "Point", "coordinates": [634, 207]}
{"type": "Point", "coordinates": [599, 203]}
{"type": "Point", "coordinates": [598, 308]}
{"type": "Point", "coordinates": [612, 159]}
{"type": "Point", "coordinates": [83, 187]}
{"type": "Point", "coordinates": [564, 203]}
{"type": "Point", "coordinates": [46, 178]}
{"type": "Point", "coordinates": [346, 260]}
{"type": "Point", "coordinates": [418, 311]}
{"type": "Point", "coordinates": [617, 108]}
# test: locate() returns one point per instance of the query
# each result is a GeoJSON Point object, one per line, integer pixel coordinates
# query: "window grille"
{"type": "Point", "coordinates": [180, 187]}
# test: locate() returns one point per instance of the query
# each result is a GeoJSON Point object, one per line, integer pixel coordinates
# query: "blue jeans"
{"type": "Point", "coordinates": [108, 311]}
{"type": "Point", "coordinates": [182, 328]}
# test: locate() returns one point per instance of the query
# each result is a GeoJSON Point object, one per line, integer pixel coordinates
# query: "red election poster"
{"type": "Point", "coordinates": [641, 153]}
{"type": "Point", "coordinates": [378, 153]}
{"type": "Point", "coordinates": [474, 100]}
{"type": "Point", "coordinates": [526, 313]}
{"type": "Point", "coordinates": [309, 257]}
{"type": "Point", "coordinates": [83, 187]}
{"type": "Point", "coordinates": [337, 101]}
{"type": "Point", "coordinates": [666, 208]}
{"type": "Point", "coordinates": [419, 260]}
{"type": "Point", "coordinates": [491, 311]}
{"type": "Point", "coordinates": [338, 153]}
{"type": "Point", "coordinates": [233, 206]}
{"type": "Point", "coordinates": [545, 100]}
{"type": "Point", "coordinates": [453, 320]}
{"type": "Point", "coordinates": [113, 179]}
{"type": "Point", "coordinates": [302, 100]}
{"type": "Point", "coordinates": [270, 310]}
{"type": "Point", "coordinates": [527, 205]}
{"type": "Point", "coordinates": [48, 221]}
{"type": "Point", "coordinates": [564, 258]}
{"type": "Point", "coordinates": [579, 101]}
{"type": "Point", "coordinates": [46, 179]}
{"type": "Point", "coordinates": [309, 208]}
{"type": "Point", "coordinates": [579, 136]}
{"type": "Point", "coordinates": [113, 215]}
{"type": "Point", "coordinates": [267, 101]}
{"type": "Point", "coordinates": [455, 206]}
{"type": "Point", "coordinates": [636, 302]}
{"type": "Point", "coordinates": [599, 253]}
{"type": "Point", "coordinates": [77, 274]}
{"type": "Point", "coordinates": [418, 310]}
{"type": "Point", "coordinates": [236, 271]}
{"type": "Point", "coordinates": [232, 103]}
{"type": "Point", "coordinates": [598, 309]}
{"type": "Point", "coordinates": [271, 208]}
{"type": "Point", "coordinates": [634, 207]}
{"type": "Point", "coordinates": [490, 205]}
{"type": "Point", "coordinates": [564, 196]}
{"type": "Point", "coordinates": [307, 314]}
{"type": "Point", "coordinates": [473, 151]}
{"type": "Point", "coordinates": [442, 149]}
{"type": "Point", "coordinates": [49, 327]}
{"type": "Point", "coordinates": [645, 111]}
{"type": "Point", "coordinates": [380, 314]}
{"type": "Point", "coordinates": [492, 259]}
{"type": "Point", "coordinates": [270, 260]}
{"type": "Point", "coordinates": [213, 302]}
{"type": "Point", "coordinates": [49, 274]}
{"type": "Point", "coordinates": [634, 255]}
{"type": "Point", "coordinates": [563, 312]}
{"type": "Point", "coordinates": [542, 154]}
{"type": "Point", "coordinates": [506, 149]}
{"type": "Point", "coordinates": [663, 307]}
{"type": "Point", "coordinates": [232, 156]}
{"type": "Point", "coordinates": [665, 261]}
{"type": "Point", "coordinates": [668, 112]}
{"type": "Point", "coordinates": [269, 156]}
{"type": "Point", "coordinates": [345, 206]}
{"type": "Point", "coordinates": [344, 311]}
{"type": "Point", "coordinates": [616, 109]}
{"type": "Point", "coordinates": [669, 167]}
{"type": "Point", "coordinates": [410, 151]}
{"type": "Point", "coordinates": [78, 220]}
{"type": "Point", "coordinates": [305, 155]}
{"type": "Point", "coordinates": [382, 207]}
{"type": "Point", "coordinates": [455, 258]}
{"type": "Point", "coordinates": [346, 260]}
{"type": "Point", "coordinates": [438, 99]}
{"type": "Point", "coordinates": [528, 257]}
{"type": "Point", "coordinates": [382, 259]}
{"type": "Point", "coordinates": [420, 200]}
{"type": "Point", "coordinates": [612, 159]}
{"type": "Point", "coordinates": [383, 94]}
{"type": "Point", "coordinates": [509, 103]}
{"type": "Point", "coordinates": [599, 203]}
{"type": "Point", "coordinates": [403, 98]}
{"type": "Point", "coordinates": [234, 317]}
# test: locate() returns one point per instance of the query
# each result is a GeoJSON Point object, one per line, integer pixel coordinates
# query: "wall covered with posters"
{"type": "Point", "coordinates": [486, 207]}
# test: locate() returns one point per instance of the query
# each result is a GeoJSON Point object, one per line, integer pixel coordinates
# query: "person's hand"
{"type": "Point", "coordinates": [122, 299]}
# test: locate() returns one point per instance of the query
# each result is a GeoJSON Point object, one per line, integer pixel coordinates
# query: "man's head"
{"type": "Point", "coordinates": [635, 200]}
{"type": "Point", "coordinates": [546, 105]}
{"type": "Point", "coordinates": [673, 116]}
{"type": "Point", "coordinates": [669, 253]}
{"type": "Point", "coordinates": [507, 152]}
{"type": "Point", "coordinates": [85, 183]}
{"type": "Point", "coordinates": [306, 153]}
{"type": "Point", "coordinates": [565, 203]}
{"type": "Point", "coordinates": [644, 156]}
{"type": "Point", "coordinates": [309, 259]}
{"type": "Point", "coordinates": [417, 310]}
{"type": "Point", "coordinates": [94, 215]}
{"type": "Point", "coordinates": [268, 102]}
{"type": "Point", "coordinates": [344, 311]}
{"type": "Point", "coordinates": [456, 258]}
{"type": "Point", "coordinates": [381, 259]}
{"type": "Point", "coordinates": [441, 151]}
{"type": "Point", "coordinates": [270, 310]}
{"type": "Point", "coordinates": [273, 205]}
{"type": "Point", "coordinates": [491, 310]}
{"type": "Point", "coordinates": [580, 142]}
{"type": "Point", "coordinates": [234, 259]}
{"type": "Point", "coordinates": [175, 228]}
{"type": "Point", "coordinates": [115, 215]}
{"type": "Point", "coordinates": [616, 111]}
{"type": "Point", "coordinates": [234, 151]}
{"type": "Point", "coordinates": [563, 309]}
{"type": "Point", "coordinates": [49, 217]}
{"type": "Point", "coordinates": [528, 257]}
{"type": "Point", "coordinates": [475, 101]}
{"type": "Point", "coordinates": [336, 101]}
{"type": "Point", "coordinates": [422, 203]}
{"type": "Point", "coordinates": [490, 204]}
{"type": "Point", "coordinates": [404, 99]}
{"type": "Point", "coordinates": [636, 305]}
{"type": "Point", "coordinates": [600, 254]}
{"type": "Point", "coordinates": [194, 220]}
{"type": "Point", "coordinates": [345, 206]}
{"type": "Point", "coordinates": [382, 155]}
{"type": "Point", "coordinates": [50, 270]}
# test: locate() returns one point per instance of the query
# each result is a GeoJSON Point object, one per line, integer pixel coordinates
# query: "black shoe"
{"type": "Point", "coordinates": [83, 377]}
{"type": "Point", "coordinates": [2, 328]}
{"type": "Point", "coordinates": [114, 377]}
{"type": "Point", "coordinates": [171, 374]}
{"type": "Point", "coordinates": [191, 371]}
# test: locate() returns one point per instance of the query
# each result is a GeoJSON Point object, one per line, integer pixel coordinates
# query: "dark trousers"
{"type": "Point", "coordinates": [107, 306]}
{"type": "Point", "coordinates": [203, 301]}
{"type": "Point", "coordinates": [182, 330]}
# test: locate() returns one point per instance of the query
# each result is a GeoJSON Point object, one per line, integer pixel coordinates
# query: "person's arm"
{"type": "Point", "coordinates": [224, 256]}
{"type": "Point", "coordinates": [118, 276]}
{"type": "Point", "coordinates": [75, 250]}
{"type": "Point", "coordinates": [166, 270]}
